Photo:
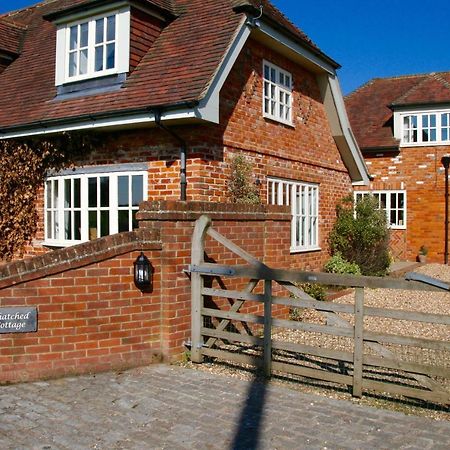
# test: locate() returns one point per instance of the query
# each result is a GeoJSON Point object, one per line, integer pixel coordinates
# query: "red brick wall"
{"type": "Point", "coordinates": [91, 317]}
{"type": "Point", "coordinates": [419, 171]}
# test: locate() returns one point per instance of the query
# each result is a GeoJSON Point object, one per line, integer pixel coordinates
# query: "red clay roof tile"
{"type": "Point", "coordinates": [369, 107]}
{"type": "Point", "coordinates": [178, 67]}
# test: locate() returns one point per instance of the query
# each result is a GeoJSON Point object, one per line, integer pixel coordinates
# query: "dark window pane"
{"type": "Point", "coordinates": [104, 191]}
{"type": "Point", "coordinates": [76, 193]}
{"type": "Point", "coordinates": [123, 190]}
{"type": "Point", "coordinates": [110, 56]}
{"type": "Point", "coordinates": [92, 225]}
{"type": "Point", "coordinates": [111, 28]}
{"type": "Point", "coordinates": [393, 200]}
{"type": "Point", "coordinates": [137, 189]}
{"type": "Point", "coordinates": [92, 192]}
{"type": "Point", "coordinates": [104, 223]}
{"type": "Point", "coordinates": [77, 225]}
{"type": "Point", "coordinates": [99, 31]}
{"type": "Point", "coordinates": [124, 221]}
{"type": "Point", "coordinates": [49, 225]}
{"type": "Point", "coordinates": [84, 34]}
{"type": "Point", "coordinates": [73, 37]}
{"type": "Point", "coordinates": [49, 194]}
{"type": "Point", "coordinates": [67, 194]}
{"type": "Point", "coordinates": [99, 58]}
{"type": "Point", "coordinates": [135, 222]}
{"type": "Point", "coordinates": [67, 225]}
{"type": "Point", "coordinates": [73, 66]}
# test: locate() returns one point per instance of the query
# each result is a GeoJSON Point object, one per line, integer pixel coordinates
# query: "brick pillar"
{"type": "Point", "coordinates": [263, 231]}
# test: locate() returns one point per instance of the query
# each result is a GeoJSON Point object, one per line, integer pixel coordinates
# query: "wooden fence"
{"type": "Point", "coordinates": [370, 362]}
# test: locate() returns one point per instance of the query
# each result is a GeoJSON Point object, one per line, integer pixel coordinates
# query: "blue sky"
{"type": "Point", "coordinates": [369, 38]}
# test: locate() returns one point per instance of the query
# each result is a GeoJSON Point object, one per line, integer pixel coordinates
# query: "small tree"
{"type": "Point", "coordinates": [361, 235]}
{"type": "Point", "coordinates": [241, 187]}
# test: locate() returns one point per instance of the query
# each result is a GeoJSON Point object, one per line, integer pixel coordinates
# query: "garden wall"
{"type": "Point", "coordinates": [92, 318]}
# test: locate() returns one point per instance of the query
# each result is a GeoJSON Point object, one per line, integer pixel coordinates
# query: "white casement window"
{"type": "Point", "coordinates": [83, 207]}
{"type": "Point", "coordinates": [393, 203]}
{"type": "Point", "coordinates": [93, 47]}
{"type": "Point", "coordinates": [277, 96]}
{"type": "Point", "coordinates": [425, 128]}
{"type": "Point", "coordinates": [303, 198]}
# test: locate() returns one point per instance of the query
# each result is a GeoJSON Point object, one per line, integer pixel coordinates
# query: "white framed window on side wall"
{"type": "Point", "coordinates": [303, 198]}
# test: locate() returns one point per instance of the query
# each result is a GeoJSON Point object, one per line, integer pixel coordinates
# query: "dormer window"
{"type": "Point", "coordinates": [423, 127]}
{"type": "Point", "coordinates": [93, 47]}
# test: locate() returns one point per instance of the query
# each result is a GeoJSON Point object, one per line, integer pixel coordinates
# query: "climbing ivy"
{"type": "Point", "coordinates": [23, 168]}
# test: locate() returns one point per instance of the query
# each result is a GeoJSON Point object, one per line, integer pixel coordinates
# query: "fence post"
{"type": "Point", "coordinates": [358, 342]}
{"type": "Point", "coordinates": [197, 258]}
{"type": "Point", "coordinates": [267, 328]}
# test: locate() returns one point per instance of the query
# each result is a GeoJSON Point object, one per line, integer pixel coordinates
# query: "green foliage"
{"type": "Point", "coordinates": [316, 291]}
{"type": "Point", "coordinates": [423, 250]}
{"type": "Point", "coordinates": [338, 264]}
{"type": "Point", "coordinates": [241, 187]}
{"type": "Point", "coordinates": [361, 235]}
{"type": "Point", "coordinates": [24, 165]}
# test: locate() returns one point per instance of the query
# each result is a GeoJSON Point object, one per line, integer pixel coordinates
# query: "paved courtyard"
{"type": "Point", "coordinates": [167, 407]}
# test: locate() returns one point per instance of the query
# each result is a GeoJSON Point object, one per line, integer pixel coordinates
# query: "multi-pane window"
{"type": "Point", "coordinates": [423, 128]}
{"type": "Point", "coordinates": [88, 206]}
{"type": "Point", "coordinates": [277, 94]}
{"type": "Point", "coordinates": [92, 47]}
{"type": "Point", "coordinates": [303, 198]}
{"type": "Point", "coordinates": [393, 203]}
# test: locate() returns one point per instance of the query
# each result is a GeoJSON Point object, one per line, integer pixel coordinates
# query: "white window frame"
{"type": "Point", "coordinates": [389, 207]}
{"type": "Point", "coordinates": [55, 236]}
{"type": "Point", "coordinates": [405, 131]}
{"type": "Point", "coordinates": [122, 46]}
{"type": "Point", "coordinates": [305, 211]}
{"type": "Point", "coordinates": [282, 109]}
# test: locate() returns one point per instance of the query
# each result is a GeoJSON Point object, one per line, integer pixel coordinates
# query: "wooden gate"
{"type": "Point", "coordinates": [365, 360]}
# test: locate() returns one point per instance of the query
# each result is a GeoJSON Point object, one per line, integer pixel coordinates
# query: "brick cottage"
{"type": "Point", "coordinates": [402, 125]}
{"type": "Point", "coordinates": [174, 90]}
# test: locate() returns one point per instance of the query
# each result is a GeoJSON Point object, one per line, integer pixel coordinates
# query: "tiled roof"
{"type": "Point", "coordinates": [370, 107]}
{"type": "Point", "coordinates": [11, 37]}
{"type": "Point", "coordinates": [178, 67]}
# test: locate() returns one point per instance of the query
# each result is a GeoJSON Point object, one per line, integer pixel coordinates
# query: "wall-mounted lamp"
{"type": "Point", "coordinates": [143, 273]}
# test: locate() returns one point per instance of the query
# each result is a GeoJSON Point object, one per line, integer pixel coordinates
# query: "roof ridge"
{"type": "Point", "coordinates": [438, 77]}
{"type": "Point", "coordinates": [360, 88]}
{"type": "Point", "coordinates": [411, 90]}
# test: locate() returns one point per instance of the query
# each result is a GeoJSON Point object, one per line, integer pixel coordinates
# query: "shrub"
{"type": "Point", "coordinates": [241, 187]}
{"type": "Point", "coordinates": [316, 291]}
{"type": "Point", "coordinates": [361, 235]}
{"type": "Point", "coordinates": [338, 264]}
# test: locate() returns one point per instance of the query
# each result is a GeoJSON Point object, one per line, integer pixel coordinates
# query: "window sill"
{"type": "Point", "coordinates": [305, 250]}
{"type": "Point", "coordinates": [424, 144]}
{"type": "Point", "coordinates": [60, 244]}
{"type": "Point", "coordinates": [279, 121]}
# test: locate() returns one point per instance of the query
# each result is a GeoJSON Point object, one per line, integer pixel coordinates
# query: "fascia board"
{"type": "Point", "coordinates": [208, 108]}
{"type": "Point", "coordinates": [92, 124]}
{"type": "Point", "coordinates": [293, 46]}
{"type": "Point", "coordinates": [335, 106]}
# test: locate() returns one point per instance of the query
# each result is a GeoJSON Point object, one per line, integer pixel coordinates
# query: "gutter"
{"type": "Point", "coordinates": [136, 115]}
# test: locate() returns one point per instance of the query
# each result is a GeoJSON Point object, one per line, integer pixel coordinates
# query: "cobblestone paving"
{"type": "Point", "coordinates": [167, 407]}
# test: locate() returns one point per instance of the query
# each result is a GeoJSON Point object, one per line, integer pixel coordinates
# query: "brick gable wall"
{"type": "Point", "coordinates": [303, 152]}
{"type": "Point", "coordinates": [419, 171]}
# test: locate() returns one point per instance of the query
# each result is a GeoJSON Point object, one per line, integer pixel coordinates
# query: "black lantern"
{"type": "Point", "coordinates": [142, 272]}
